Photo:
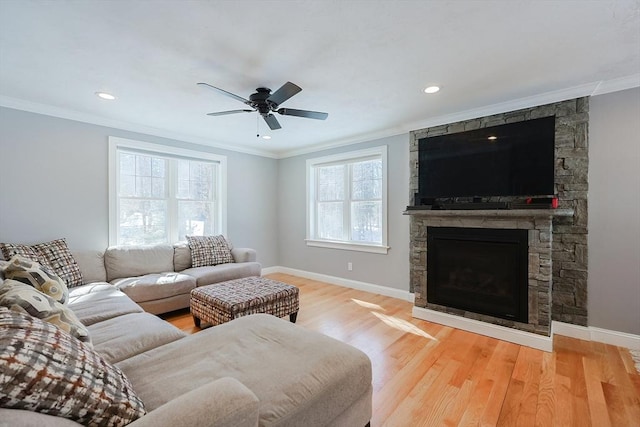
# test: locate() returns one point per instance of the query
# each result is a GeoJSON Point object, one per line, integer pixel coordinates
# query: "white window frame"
{"type": "Point", "coordinates": [116, 144]}
{"type": "Point", "coordinates": [343, 158]}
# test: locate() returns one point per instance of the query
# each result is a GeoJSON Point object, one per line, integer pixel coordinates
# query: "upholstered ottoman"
{"type": "Point", "coordinates": [223, 302]}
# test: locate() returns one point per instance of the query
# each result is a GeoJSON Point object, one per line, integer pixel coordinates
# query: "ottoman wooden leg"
{"type": "Point", "coordinates": [196, 321]}
{"type": "Point", "coordinates": [293, 317]}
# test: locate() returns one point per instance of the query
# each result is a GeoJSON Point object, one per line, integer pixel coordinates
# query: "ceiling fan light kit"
{"type": "Point", "coordinates": [267, 103]}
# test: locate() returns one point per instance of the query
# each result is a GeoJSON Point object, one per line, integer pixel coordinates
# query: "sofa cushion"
{"type": "Point", "coordinates": [44, 369]}
{"type": "Point", "coordinates": [133, 261]}
{"type": "Point", "coordinates": [31, 273]}
{"type": "Point", "coordinates": [91, 263]}
{"type": "Point", "coordinates": [221, 403]}
{"type": "Point", "coordinates": [22, 418]}
{"type": "Point", "coordinates": [100, 301]}
{"type": "Point", "coordinates": [23, 298]}
{"type": "Point", "coordinates": [296, 374]}
{"type": "Point", "coordinates": [209, 250]}
{"type": "Point", "coordinates": [149, 332]}
{"type": "Point", "coordinates": [155, 286]}
{"type": "Point", "coordinates": [243, 254]}
{"type": "Point", "coordinates": [223, 272]}
{"type": "Point", "coordinates": [55, 255]}
{"type": "Point", "coordinates": [181, 256]}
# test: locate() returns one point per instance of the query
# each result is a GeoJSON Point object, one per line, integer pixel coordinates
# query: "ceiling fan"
{"type": "Point", "coordinates": [266, 103]}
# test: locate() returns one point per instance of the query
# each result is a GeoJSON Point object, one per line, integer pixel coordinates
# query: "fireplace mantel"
{"type": "Point", "coordinates": [493, 213]}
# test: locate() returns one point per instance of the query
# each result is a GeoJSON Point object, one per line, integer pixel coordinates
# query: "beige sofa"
{"type": "Point", "coordinates": [160, 277]}
{"type": "Point", "coordinates": [257, 370]}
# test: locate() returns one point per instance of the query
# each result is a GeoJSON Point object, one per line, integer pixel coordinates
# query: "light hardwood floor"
{"type": "Point", "coordinates": [425, 374]}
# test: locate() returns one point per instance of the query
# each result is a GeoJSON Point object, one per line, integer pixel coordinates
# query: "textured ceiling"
{"type": "Point", "coordinates": [364, 62]}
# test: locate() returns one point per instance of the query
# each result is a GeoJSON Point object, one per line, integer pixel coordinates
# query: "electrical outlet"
{"type": "Point", "coordinates": [350, 266]}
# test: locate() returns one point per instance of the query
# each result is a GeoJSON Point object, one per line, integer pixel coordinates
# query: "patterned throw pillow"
{"type": "Point", "coordinates": [209, 250]}
{"type": "Point", "coordinates": [54, 255]}
{"type": "Point", "coordinates": [31, 273]}
{"type": "Point", "coordinates": [46, 370]}
{"type": "Point", "coordinates": [25, 299]}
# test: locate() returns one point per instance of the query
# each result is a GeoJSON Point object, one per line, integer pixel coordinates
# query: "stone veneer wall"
{"type": "Point", "coordinates": [569, 253]}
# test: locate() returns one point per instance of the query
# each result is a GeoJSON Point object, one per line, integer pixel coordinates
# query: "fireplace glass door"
{"type": "Point", "coordinates": [481, 270]}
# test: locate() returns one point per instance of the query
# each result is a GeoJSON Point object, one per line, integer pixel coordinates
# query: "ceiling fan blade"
{"type": "Point", "coordinates": [285, 92]}
{"type": "Point", "coordinates": [224, 92]}
{"type": "Point", "coordinates": [303, 113]}
{"type": "Point", "coordinates": [224, 113]}
{"type": "Point", "coordinates": [272, 122]}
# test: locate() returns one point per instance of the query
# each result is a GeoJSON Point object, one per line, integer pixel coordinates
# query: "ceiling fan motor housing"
{"type": "Point", "coordinates": [259, 100]}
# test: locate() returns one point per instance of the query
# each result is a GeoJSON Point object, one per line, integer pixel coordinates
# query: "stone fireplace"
{"type": "Point", "coordinates": [538, 225]}
{"type": "Point", "coordinates": [556, 238]}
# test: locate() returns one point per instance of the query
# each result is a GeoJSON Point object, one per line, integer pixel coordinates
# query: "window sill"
{"type": "Point", "coordinates": [348, 246]}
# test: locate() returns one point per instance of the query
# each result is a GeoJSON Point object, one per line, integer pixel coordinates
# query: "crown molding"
{"type": "Point", "coordinates": [65, 113]}
{"type": "Point", "coordinates": [589, 89]}
{"type": "Point", "coordinates": [615, 85]}
{"type": "Point", "coordinates": [513, 105]}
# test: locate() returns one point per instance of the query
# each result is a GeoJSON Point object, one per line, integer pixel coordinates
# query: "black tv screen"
{"type": "Point", "coordinates": [515, 159]}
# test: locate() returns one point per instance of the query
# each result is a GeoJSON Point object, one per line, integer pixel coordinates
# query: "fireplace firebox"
{"type": "Point", "coordinates": [483, 270]}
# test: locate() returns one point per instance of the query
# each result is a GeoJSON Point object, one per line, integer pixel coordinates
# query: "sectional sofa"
{"type": "Point", "coordinates": [257, 370]}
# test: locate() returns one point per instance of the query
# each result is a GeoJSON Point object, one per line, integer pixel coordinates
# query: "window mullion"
{"type": "Point", "coordinates": [316, 201]}
{"type": "Point", "coordinates": [346, 221]}
{"type": "Point", "coordinates": [171, 191]}
{"type": "Point", "coordinates": [313, 203]}
{"type": "Point", "coordinates": [117, 200]}
{"type": "Point", "coordinates": [215, 200]}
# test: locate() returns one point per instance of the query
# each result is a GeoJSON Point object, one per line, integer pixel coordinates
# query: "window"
{"type": "Point", "coordinates": [347, 201]}
{"type": "Point", "coordinates": [160, 194]}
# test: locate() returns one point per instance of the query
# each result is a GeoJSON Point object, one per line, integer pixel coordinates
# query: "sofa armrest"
{"type": "Point", "coordinates": [243, 254]}
{"type": "Point", "coordinates": [225, 402]}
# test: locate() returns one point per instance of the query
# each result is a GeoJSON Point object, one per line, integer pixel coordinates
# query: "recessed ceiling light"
{"type": "Point", "coordinates": [266, 137]}
{"type": "Point", "coordinates": [105, 95]}
{"type": "Point", "coordinates": [432, 89]}
{"type": "Point", "coordinates": [492, 138]}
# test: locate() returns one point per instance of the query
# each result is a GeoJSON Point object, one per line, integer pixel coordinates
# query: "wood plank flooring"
{"type": "Point", "coordinates": [425, 374]}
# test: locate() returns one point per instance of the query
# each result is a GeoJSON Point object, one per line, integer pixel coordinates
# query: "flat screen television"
{"type": "Point", "coordinates": [515, 159]}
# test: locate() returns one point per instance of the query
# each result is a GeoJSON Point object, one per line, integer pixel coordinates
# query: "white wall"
{"type": "Point", "coordinates": [53, 184]}
{"type": "Point", "coordinates": [392, 269]}
{"type": "Point", "coordinates": [614, 211]}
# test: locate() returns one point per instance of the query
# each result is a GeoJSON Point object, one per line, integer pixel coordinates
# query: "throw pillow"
{"type": "Point", "coordinates": [54, 255]}
{"type": "Point", "coordinates": [31, 273]}
{"type": "Point", "coordinates": [25, 299]}
{"type": "Point", "coordinates": [209, 250]}
{"type": "Point", "coordinates": [46, 370]}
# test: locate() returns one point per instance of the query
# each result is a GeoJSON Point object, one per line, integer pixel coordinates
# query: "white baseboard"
{"type": "Point", "coordinates": [591, 333]}
{"type": "Point", "coordinates": [515, 336]}
{"type": "Point", "coordinates": [340, 281]}
{"type": "Point", "coordinates": [587, 333]}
